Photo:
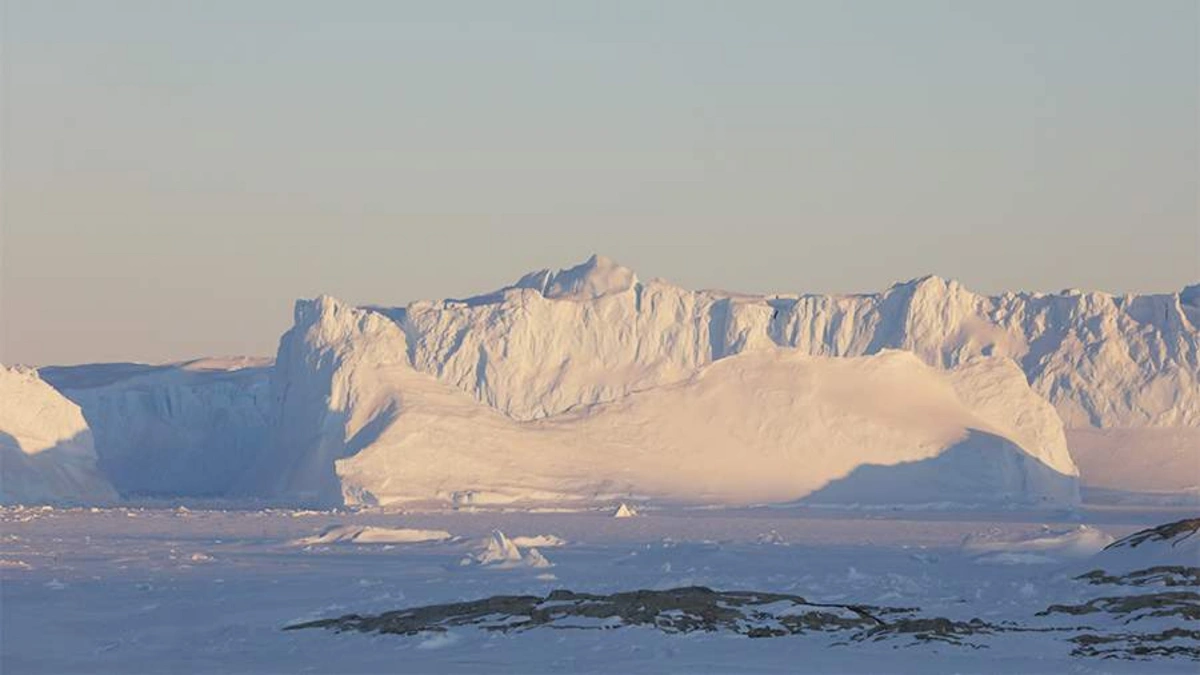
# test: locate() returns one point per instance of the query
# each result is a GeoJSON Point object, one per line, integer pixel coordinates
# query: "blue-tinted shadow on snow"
{"type": "Point", "coordinates": [982, 469]}
{"type": "Point", "coordinates": [93, 375]}
{"type": "Point", "coordinates": [57, 475]}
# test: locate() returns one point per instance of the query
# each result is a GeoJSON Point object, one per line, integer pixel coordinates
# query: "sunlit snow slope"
{"type": "Point", "coordinates": [46, 451]}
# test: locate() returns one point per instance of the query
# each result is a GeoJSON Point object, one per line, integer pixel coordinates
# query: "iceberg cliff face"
{"type": "Point", "coordinates": [560, 353]}
{"type": "Point", "coordinates": [46, 450]}
{"type": "Point", "coordinates": [329, 398]}
{"type": "Point", "coordinates": [180, 430]}
{"type": "Point", "coordinates": [594, 333]}
{"type": "Point", "coordinates": [358, 424]}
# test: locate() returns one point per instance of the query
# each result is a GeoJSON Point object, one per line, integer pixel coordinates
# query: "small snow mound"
{"type": "Point", "coordinates": [772, 537]}
{"type": "Point", "coordinates": [539, 540]}
{"type": "Point", "coordinates": [1047, 546]}
{"type": "Point", "coordinates": [360, 534]}
{"type": "Point", "coordinates": [437, 640]}
{"type": "Point", "coordinates": [625, 511]}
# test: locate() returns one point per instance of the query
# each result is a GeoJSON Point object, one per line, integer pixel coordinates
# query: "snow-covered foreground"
{"type": "Point", "coordinates": [130, 590]}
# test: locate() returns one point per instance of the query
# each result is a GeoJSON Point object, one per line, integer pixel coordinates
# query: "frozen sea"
{"type": "Point", "coordinates": [208, 590]}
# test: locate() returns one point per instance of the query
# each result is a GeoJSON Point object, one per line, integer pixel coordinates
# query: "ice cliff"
{"type": "Point", "coordinates": [179, 430]}
{"type": "Point", "coordinates": [357, 423]}
{"type": "Point", "coordinates": [594, 332]}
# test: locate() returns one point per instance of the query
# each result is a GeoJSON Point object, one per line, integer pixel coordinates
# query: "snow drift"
{"type": "Point", "coordinates": [1046, 546]}
{"type": "Point", "coordinates": [46, 450]}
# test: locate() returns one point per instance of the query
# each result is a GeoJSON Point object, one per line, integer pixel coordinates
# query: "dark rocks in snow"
{"type": "Point", "coordinates": [1184, 605]}
{"type": "Point", "coordinates": [677, 610]}
{"type": "Point", "coordinates": [1172, 642]}
{"type": "Point", "coordinates": [1153, 618]}
{"type": "Point", "coordinates": [1164, 575]}
{"type": "Point", "coordinates": [1172, 533]}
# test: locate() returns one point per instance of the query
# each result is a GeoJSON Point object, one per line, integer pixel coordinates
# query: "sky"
{"type": "Point", "coordinates": [173, 175]}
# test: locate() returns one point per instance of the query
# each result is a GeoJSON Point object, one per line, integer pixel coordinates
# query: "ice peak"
{"type": "Point", "coordinates": [930, 290]}
{"type": "Point", "coordinates": [926, 282]}
{"type": "Point", "coordinates": [596, 277]}
{"type": "Point", "coordinates": [1190, 295]}
{"type": "Point", "coordinates": [311, 311]}
{"type": "Point", "coordinates": [498, 550]}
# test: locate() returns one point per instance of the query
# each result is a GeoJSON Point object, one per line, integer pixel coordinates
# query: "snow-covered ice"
{"type": "Point", "coordinates": [538, 541]}
{"type": "Point", "coordinates": [367, 534]}
{"type": "Point", "coordinates": [1046, 546]}
{"type": "Point", "coordinates": [115, 594]}
{"type": "Point", "coordinates": [499, 551]}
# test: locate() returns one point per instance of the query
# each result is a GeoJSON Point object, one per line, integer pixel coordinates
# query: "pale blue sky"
{"type": "Point", "coordinates": [176, 173]}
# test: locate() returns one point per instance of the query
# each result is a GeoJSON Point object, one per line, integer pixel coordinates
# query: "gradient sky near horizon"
{"type": "Point", "coordinates": [176, 173]}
